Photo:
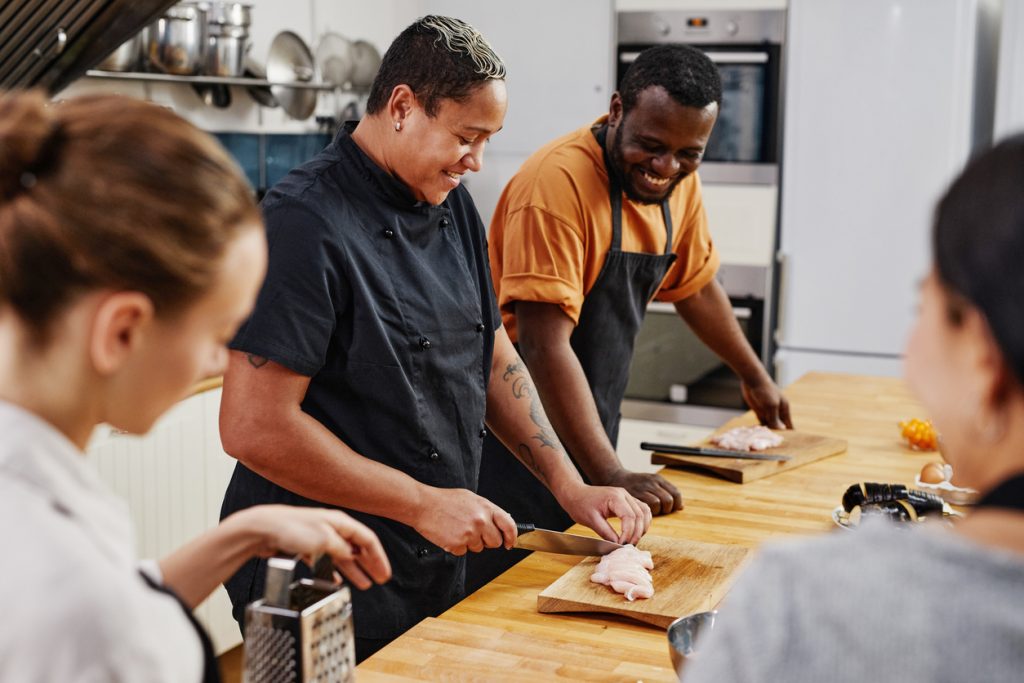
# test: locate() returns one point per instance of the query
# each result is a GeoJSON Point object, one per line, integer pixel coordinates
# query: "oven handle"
{"type": "Point", "coordinates": [716, 56]}
{"type": "Point", "coordinates": [741, 312]}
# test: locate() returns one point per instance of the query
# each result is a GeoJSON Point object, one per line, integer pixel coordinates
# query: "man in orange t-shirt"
{"type": "Point", "coordinates": [576, 255]}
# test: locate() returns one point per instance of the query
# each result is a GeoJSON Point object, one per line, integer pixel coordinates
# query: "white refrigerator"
{"type": "Point", "coordinates": [885, 101]}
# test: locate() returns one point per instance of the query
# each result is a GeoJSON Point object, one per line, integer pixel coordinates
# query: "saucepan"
{"type": "Point", "coordinates": [683, 635]}
{"type": "Point", "coordinates": [177, 42]}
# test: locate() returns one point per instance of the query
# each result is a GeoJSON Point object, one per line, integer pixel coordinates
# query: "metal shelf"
{"type": "Point", "coordinates": [209, 80]}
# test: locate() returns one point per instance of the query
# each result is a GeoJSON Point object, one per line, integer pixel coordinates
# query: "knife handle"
{"type": "Point", "coordinates": [524, 527]}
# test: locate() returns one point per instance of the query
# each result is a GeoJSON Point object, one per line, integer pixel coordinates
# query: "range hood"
{"type": "Point", "coordinates": [50, 43]}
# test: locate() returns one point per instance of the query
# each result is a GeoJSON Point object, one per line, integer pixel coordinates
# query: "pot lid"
{"type": "Point", "coordinates": [290, 60]}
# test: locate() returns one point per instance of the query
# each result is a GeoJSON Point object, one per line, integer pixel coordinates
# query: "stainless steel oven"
{"type": "Point", "coordinates": [675, 377]}
{"type": "Point", "coordinates": [746, 45]}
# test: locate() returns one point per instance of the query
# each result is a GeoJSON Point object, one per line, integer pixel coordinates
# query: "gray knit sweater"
{"type": "Point", "coordinates": [880, 603]}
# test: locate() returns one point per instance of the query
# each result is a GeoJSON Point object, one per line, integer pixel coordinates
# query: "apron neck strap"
{"type": "Point", "coordinates": [615, 197]}
{"type": "Point", "coordinates": [1008, 494]}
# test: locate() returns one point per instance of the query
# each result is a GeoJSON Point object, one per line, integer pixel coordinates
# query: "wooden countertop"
{"type": "Point", "coordinates": [497, 634]}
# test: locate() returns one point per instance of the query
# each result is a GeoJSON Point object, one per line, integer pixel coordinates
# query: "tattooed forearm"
{"type": "Point", "coordinates": [256, 361]}
{"type": "Point", "coordinates": [522, 387]}
{"type": "Point", "coordinates": [525, 456]}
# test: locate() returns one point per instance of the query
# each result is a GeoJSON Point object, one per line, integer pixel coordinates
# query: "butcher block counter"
{"type": "Point", "coordinates": [497, 634]}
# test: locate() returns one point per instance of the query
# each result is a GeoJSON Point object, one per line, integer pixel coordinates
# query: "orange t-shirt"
{"type": "Point", "coordinates": [552, 230]}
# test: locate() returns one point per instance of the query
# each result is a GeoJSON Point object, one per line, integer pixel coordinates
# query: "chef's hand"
{"type": "Point", "coordinates": [659, 493]}
{"type": "Point", "coordinates": [311, 532]}
{"type": "Point", "coordinates": [458, 520]}
{"type": "Point", "coordinates": [593, 505]}
{"type": "Point", "coordinates": [766, 400]}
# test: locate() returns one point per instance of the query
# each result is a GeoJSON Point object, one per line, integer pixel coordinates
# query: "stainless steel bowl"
{"type": "Point", "coordinates": [177, 42]}
{"type": "Point", "coordinates": [683, 636]}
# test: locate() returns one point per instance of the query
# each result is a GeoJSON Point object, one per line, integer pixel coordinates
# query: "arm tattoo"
{"type": "Point", "coordinates": [525, 456]}
{"type": "Point", "coordinates": [522, 387]}
{"type": "Point", "coordinates": [256, 361]}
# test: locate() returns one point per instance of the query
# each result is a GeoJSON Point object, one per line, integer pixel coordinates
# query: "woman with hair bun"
{"type": "Point", "coordinates": [923, 604]}
{"type": "Point", "coordinates": [130, 251]}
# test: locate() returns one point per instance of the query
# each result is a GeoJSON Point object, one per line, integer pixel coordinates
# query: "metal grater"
{"type": "Point", "coordinates": [301, 631]}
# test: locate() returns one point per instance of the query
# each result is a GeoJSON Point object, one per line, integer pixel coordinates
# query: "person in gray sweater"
{"type": "Point", "coordinates": [918, 603]}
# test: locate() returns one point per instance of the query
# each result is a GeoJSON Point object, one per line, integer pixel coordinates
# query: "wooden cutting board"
{"type": "Point", "coordinates": [802, 446]}
{"type": "Point", "coordinates": [689, 576]}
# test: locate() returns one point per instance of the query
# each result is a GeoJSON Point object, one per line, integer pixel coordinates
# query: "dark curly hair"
{"type": "Point", "coordinates": [439, 58]}
{"type": "Point", "coordinates": [685, 72]}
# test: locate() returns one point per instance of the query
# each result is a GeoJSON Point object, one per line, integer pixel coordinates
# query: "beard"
{"type": "Point", "coordinates": [618, 160]}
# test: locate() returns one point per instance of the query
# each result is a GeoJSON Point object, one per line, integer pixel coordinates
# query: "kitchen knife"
{"type": "Point", "coordinates": [532, 538]}
{"type": "Point", "coordinates": [711, 452]}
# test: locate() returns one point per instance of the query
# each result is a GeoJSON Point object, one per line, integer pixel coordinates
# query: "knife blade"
{"type": "Point", "coordinates": [712, 452]}
{"type": "Point", "coordinates": [532, 538]}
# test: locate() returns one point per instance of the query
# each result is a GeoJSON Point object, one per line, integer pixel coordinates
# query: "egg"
{"type": "Point", "coordinates": [933, 473]}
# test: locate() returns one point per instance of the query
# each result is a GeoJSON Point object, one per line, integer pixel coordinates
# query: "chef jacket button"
{"type": "Point", "coordinates": [434, 455]}
{"type": "Point", "coordinates": [422, 552]}
{"type": "Point", "coordinates": [425, 343]}
{"type": "Point", "coordinates": [444, 222]}
{"type": "Point", "coordinates": [388, 233]}
{"type": "Point", "coordinates": [480, 327]}
{"type": "Point", "coordinates": [483, 433]}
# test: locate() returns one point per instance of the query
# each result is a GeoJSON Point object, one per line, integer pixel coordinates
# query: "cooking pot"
{"type": "Point", "coordinates": [126, 57]}
{"type": "Point", "coordinates": [228, 26]}
{"type": "Point", "coordinates": [177, 42]}
{"type": "Point", "coordinates": [683, 634]}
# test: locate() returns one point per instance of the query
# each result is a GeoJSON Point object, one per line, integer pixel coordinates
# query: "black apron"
{"type": "Point", "coordinates": [211, 670]}
{"type": "Point", "coordinates": [603, 342]}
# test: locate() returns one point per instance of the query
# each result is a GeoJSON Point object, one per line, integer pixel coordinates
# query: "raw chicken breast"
{"type": "Point", "coordinates": [625, 570]}
{"type": "Point", "coordinates": [747, 439]}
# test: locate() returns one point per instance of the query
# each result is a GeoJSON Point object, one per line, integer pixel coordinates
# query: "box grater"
{"type": "Point", "coordinates": [301, 631]}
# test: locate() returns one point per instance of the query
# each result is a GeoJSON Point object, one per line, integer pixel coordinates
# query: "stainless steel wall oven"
{"type": "Point", "coordinates": [747, 48]}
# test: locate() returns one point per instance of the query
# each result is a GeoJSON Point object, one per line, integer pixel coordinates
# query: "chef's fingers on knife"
{"type": "Point", "coordinates": [507, 526]}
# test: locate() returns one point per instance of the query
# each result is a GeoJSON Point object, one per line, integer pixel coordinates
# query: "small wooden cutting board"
{"type": "Point", "coordinates": [689, 577]}
{"type": "Point", "coordinates": [803, 448]}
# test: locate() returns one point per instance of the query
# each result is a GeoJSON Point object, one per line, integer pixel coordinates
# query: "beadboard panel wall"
{"type": "Point", "coordinates": [173, 480]}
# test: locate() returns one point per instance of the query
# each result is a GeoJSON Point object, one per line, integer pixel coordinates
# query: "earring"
{"type": "Point", "coordinates": [398, 126]}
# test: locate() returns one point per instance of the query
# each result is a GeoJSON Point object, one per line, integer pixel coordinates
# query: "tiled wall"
{"type": "Point", "coordinates": [266, 158]}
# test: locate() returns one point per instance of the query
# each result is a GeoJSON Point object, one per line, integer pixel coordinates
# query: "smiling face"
{"type": "Point", "coordinates": [658, 143]}
{"type": "Point", "coordinates": [432, 153]}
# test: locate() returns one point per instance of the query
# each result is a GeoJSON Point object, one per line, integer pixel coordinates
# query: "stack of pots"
{"type": "Point", "coordinates": [210, 38]}
{"type": "Point", "coordinates": [228, 25]}
{"type": "Point", "coordinates": [176, 43]}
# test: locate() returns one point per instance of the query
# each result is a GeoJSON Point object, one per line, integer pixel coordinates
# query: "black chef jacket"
{"type": "Point", "coordinates": [387, 304]}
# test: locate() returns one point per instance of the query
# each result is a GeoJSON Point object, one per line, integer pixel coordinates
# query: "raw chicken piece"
{"type": "Point", "coordinates": [625, 570]}
{"type": "Point", "coordinates": [747, 439]}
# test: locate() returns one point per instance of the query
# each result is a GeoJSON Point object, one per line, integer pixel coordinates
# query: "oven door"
{"type": "Point", "coordinates": [744, 143]}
